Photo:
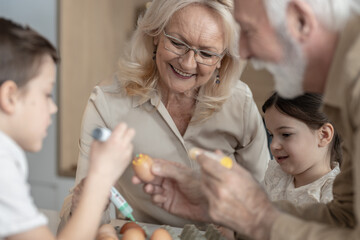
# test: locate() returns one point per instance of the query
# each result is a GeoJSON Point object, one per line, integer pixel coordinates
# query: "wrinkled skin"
{"type": "Point", "coordinates": [212, 197]}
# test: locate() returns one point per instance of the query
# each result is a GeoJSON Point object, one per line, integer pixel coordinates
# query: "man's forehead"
{"type": "Point", "coordinates": [249, 11]}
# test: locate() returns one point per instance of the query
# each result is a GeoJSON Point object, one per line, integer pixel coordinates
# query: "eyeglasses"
{"type": "Point", "coordinates": [175, 45]}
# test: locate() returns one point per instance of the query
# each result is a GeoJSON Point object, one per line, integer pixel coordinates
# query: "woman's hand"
{"type": "Point", "coordinates": [176, 188]}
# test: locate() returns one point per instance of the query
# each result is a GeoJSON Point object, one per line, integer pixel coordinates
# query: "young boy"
{"type": "Point", "coordinates": [27, 78]}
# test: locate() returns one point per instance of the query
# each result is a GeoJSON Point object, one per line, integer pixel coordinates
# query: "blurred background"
{"type": "Point", "coordinates": [90, 36]}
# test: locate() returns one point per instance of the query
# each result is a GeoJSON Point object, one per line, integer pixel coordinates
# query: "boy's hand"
{"type": "Point", "coordinates": [110, 159]}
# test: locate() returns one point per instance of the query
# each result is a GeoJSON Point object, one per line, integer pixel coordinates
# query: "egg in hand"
{"type": "Point", "coordinates": [142, 167]}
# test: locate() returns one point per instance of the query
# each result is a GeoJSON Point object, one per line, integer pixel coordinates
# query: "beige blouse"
{"type": "Point", "coordinates": [237, 129]}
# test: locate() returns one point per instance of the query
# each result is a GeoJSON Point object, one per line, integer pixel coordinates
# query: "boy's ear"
{"type": "Point", "coordinates": [8, 96]}
{"type": "Point", "coordinates": [326, 133]}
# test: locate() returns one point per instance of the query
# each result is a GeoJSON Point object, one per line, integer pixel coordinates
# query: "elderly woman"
{"type": "Point", "coordinates": [178, 87]}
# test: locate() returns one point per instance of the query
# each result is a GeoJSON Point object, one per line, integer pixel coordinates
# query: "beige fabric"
{"type": "Point", "coordinates": [342, 104]}
{"type": "Point", "coordinates": [237, 129]}
{"type": "Point", "coordinates": [279, 185]}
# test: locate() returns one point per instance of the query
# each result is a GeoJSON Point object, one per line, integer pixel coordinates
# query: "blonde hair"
{"type": "Point", "coordinates": [138, 73]}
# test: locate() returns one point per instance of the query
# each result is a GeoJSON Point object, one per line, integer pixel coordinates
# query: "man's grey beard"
{"type": "Point", "coordinates": [289, 73]}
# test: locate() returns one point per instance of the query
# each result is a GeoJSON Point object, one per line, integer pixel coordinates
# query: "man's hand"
{"type": "Point", "coordinates": [176, 188]}
{"type": "Point", "coordinates": [236, 200]}
{"type": "Point", "coordinates": [229, 197]}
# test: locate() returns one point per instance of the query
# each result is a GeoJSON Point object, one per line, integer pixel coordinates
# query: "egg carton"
{"type": "Point", "coordinates": [191, 232]}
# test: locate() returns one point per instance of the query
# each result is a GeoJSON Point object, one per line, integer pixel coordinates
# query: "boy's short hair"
{"type": "Point", "coordinates": [21, 52]}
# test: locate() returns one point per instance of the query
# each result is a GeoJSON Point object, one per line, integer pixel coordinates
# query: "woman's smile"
{"type": "Point", "coordinates": [180, 73]}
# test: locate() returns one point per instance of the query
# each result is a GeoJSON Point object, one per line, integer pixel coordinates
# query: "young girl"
{"type": "Point", "coordinates": [27, 77]}
{"type": "Point", "coordinates": [306, 149]}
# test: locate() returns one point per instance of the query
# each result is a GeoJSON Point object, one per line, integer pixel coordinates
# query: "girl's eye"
{"type": "Point", "coordinates": [286, 135]}
{"type": "Point", "coordinates": [50, 95]}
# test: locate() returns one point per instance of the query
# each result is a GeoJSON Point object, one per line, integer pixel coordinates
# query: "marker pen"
{"type": "Point", "coordinates": [102, 134]}
{"type": "Point", "coordinates": [223, 160]}
{"type": "Point", "coordinates": [121, 204]}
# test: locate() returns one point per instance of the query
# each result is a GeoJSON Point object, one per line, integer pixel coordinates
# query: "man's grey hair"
{"type": "Point", "coordinates": [332, 13]}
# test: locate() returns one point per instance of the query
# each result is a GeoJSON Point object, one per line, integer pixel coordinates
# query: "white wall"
{"type": "Point", "coordinates": [48, 189]}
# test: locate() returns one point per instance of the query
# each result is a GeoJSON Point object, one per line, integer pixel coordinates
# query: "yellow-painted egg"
{"type": "Point", "coordinates": [133, 234]}
{"type": "Point", "coordinates": [142, 167]}
{"type": "Point", "coordinates": [160, 234]}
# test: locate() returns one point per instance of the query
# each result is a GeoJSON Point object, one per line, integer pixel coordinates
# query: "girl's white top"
{"type": "Point", "coordinates": [280, 186]}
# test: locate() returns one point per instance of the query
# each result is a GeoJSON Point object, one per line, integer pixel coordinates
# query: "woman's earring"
{"type": "Point", "coordinates": [217, 78]}
{"type": "Point", "coordinates": [154, 54]}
